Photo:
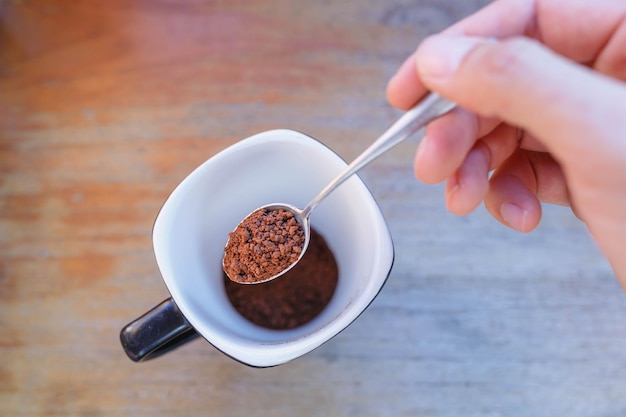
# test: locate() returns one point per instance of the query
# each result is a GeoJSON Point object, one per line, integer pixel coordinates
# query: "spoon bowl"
{"type": "Point", "coordinates": [304, 223]}
{"type": "Point", "coordinates": [430, 108]}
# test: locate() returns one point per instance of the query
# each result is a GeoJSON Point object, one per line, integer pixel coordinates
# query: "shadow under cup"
{"type": "Point", "coordinates": [276, 166]}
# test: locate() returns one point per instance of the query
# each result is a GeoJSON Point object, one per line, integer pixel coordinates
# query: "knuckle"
{"type": "Point", "coordinates": [498, 70]}
{"type": "Point", "coordinates": [507, 58]}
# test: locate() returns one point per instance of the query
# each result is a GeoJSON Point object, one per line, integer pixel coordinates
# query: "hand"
{"type": "Point", "coordinates": [542, 99]}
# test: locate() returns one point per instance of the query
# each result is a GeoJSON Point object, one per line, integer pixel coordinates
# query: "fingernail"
{"type": "Point", "coordinates": [514, 215]}
{"type": "Point", "coordinates": [440, 56]}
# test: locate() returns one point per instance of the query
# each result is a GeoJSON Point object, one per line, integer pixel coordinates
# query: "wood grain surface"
{"type": "Point", "coordinates": [106, 105]}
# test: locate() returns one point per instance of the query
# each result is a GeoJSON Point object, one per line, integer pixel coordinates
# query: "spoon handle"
{"type": "Point", "coordinates": [431, 107]}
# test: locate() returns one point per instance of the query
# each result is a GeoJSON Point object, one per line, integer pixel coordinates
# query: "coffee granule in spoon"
{"type": "Point", "coordinates": [264, 244]}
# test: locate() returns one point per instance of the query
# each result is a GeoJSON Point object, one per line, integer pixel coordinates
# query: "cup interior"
{"type": "Point", "coordinates": [276, 166]}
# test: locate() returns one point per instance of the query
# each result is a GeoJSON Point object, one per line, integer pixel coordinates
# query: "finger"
{"type": "Point", "coordinates": [470, 184]}
{"type": "Point", "coordinates": [520, 184]}
{"type": "Point", "coordinates": [513, 79]}
{"type": "Point", "coordinates": [405, 89]}
{"type": "Point", "coordinates": [511, 198]}
{"type": "Point", "coordinates": [502, 142]}
{"type": "Point", "coordinates": [467, 188]}
{"type": "Point", "coordinates": [613, 56]}
{"type": "Point", "coordinates": [445, 144]}
{"type": "Point", "coordinates": [449, 139]}
{"type": "Point", "coordinates": [581, 30]}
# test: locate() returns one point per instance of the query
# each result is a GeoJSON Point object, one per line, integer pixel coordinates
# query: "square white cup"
{"type": "Point", "coordinates": [275, 166]}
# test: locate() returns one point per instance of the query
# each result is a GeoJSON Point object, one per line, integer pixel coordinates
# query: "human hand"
{"type": "Point", "coordinates": [553, 70]}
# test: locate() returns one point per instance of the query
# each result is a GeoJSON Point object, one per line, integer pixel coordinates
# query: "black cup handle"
{"type": "Point", "coordinates": [157, 332]}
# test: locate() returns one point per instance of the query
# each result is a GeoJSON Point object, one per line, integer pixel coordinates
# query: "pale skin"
{"type": "Point", "coordinates": [541, 86]}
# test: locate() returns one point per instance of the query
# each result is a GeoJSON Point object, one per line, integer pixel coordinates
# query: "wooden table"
{"type": "Point", "coordinates": [105, 106]}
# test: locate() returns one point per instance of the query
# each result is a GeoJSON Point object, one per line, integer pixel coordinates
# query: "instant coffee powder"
{"type": "Point", "coordinates": [293, 299]}
{"type": "Point", "coordinates": [264, 244]}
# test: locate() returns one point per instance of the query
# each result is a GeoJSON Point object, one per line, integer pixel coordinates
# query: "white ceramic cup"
{"type": "Point", "coordinates": [192, 228]}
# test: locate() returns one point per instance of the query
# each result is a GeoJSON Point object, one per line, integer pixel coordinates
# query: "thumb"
{"type": "Point", "coordinates": [525, 84]}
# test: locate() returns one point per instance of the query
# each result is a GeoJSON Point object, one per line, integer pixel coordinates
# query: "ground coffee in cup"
{"type": "Point", "coordinates": [294, 298]}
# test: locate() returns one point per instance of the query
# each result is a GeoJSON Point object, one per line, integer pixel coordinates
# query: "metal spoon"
{"type": "Point", "coordinates": [430, 108]}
